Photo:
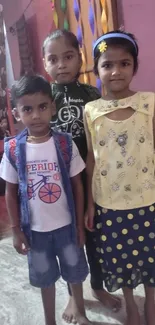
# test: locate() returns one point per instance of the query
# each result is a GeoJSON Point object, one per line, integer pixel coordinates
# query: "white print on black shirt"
{"type": "Point", "coordinates": [70, 118]}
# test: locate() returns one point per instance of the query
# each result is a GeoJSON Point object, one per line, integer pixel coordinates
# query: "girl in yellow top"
{"type": "Point", "coordinates": [120, 168]}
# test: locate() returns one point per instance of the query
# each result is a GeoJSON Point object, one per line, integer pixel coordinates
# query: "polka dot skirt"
{"type": "Point", "coordinates": [125, 246]}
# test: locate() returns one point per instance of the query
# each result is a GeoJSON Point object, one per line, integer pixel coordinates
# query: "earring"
{"type": "Point", "coordinates": [18, 119]}
{"type": "Point", "coordinates": [14, 113]}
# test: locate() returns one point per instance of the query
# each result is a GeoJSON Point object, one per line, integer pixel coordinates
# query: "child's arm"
{"type": "Point", "coordinates": [9, 174]}
{"type": "Point", "coordinates": [19, 240]}
{"type": "Point", "coordinates": [11, 196]}
{"type": "Point", "coordinates": [90, 163]}
{"type": "Point", "coordinates": [78, 194]}
{"type": "Point", "coordinates": [76, 167]}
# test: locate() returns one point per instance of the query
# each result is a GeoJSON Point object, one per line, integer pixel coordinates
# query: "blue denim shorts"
{"type": "Point", "coordinates": [52, 255]}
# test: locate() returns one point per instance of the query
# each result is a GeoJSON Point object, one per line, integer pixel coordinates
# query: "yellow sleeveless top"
{"type": "Point", "coordinates": [124, 152]}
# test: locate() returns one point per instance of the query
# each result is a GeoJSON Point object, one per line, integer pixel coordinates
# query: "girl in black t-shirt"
{"type": "Point", "coordinates": [62, 61]}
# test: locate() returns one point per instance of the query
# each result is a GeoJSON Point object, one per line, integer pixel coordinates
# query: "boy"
{"type": "Point", "coordinates": [42, 170]}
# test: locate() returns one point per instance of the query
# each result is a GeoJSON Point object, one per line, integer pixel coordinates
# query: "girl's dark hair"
{"type": "Point", "coordinates": [29, 85]}
{"type": "Point", "coordinates": [69, 37]}
{"type": "Point", "coordinates": [119, 42]}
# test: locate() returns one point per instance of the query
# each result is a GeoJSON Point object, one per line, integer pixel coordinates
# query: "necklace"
{"type": "Point", "coordinates": [31, 137]}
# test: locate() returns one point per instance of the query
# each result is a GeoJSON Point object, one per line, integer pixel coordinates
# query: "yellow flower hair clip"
{"type": "Point", "coordinates": [102, 46]}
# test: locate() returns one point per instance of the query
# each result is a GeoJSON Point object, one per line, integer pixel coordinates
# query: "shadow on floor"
{"type": "Point", "coordinates": [98, 309]}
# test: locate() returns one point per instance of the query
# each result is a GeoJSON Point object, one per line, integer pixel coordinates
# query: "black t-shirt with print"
{"type": "Point", "coordinates": [70, 100]}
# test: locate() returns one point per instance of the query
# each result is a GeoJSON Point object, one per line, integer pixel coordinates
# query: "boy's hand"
{"type": "Point", "coordinates": [81, 237]}
{"type": "Point", "coordinates": [89, 218]}
{"type": "Point", "coordinates": [20, 242]}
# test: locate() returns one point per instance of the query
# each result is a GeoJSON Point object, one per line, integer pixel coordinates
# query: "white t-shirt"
{"type": "Point", "coordinates": [47, 199]}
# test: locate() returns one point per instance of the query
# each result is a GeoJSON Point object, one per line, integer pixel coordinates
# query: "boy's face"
{"type": "Point", "coordinates": [35, 111]}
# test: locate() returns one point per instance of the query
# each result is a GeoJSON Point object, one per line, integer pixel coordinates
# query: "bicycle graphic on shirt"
{"type": "Point", "coordinates": [48, 192]}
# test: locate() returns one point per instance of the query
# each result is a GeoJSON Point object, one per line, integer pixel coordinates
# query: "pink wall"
{"type": "Point", "coordinates": [10, 17]}
{"type": "Point", "coordinates": [138, 17]}
{"type": "Point", "coordinates": [40, 23]}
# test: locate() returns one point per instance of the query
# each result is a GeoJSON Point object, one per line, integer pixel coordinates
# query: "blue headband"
{"type": "Point", "coordinates": [114, 35]}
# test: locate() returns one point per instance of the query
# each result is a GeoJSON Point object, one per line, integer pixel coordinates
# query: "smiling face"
{"type": "Point", "coordinates": [62, 61]}
{"type": "Point", "coordinates": [35, 112]}
{"type": "Point", "coordinates": [116, 70]}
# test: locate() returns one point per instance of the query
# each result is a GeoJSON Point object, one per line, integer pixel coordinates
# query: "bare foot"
{"type": "Point", "coordinates": [71, 315]}
{"type": "Point", "coordinates": [133, 317]}
{"type": "Point", "coordinates": [68, 315]}
{"type": "Point", "coordinates": [109, 301]}
{"type": "Point", "coordinates": [82, 319]}
{"type": "Point", "coordinates": [150, 313]}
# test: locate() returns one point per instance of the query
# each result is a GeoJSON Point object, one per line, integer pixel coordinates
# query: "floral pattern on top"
{"type": "Point", "coordinates": [124, 152]}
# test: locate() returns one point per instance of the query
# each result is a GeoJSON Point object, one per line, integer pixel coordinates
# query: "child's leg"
{"type": "Point", "coordinates": [96, 281]}
{"type": "Point", "coordinates": [78, 305]}
{"type": "Point", "coordinates": [44, 270]}
{"type": "Point", "coordinates": [133, 317]}
{"type": "Point", "coordinates": [96, 277]}
{"type": "Point", "coordinates": [68, 314]}
{"type": "Point", "coordinates": [149, 305]}
{"type": "Point", "coordinates": [48, 298]}
{"type": "Point", "coordinates": [74, 269]}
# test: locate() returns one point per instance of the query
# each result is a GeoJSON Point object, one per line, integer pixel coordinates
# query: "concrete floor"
{"type": "Point", "coordinates": [20, 304]}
